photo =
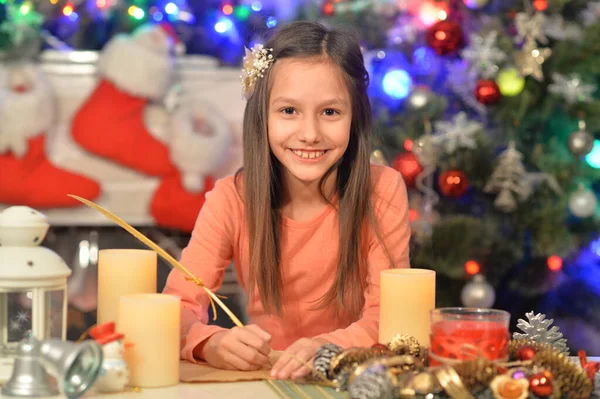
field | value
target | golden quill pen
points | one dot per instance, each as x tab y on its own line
148	242
162	253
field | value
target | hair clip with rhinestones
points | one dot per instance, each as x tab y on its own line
256	62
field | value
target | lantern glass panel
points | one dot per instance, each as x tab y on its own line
15	308
54	313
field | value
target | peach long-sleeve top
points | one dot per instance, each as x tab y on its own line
309	254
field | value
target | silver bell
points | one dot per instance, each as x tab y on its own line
29	378
75	366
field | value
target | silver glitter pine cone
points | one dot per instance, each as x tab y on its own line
537	328
373	383
323	359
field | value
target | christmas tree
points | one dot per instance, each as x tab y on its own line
487	107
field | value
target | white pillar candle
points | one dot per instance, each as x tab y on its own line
150	323
406	300
123	272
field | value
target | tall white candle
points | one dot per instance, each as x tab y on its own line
123	272
150	323
406	300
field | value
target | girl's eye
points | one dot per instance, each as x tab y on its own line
330	112
288	111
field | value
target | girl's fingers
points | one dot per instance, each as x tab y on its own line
247	353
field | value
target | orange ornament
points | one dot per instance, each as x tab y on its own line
453	183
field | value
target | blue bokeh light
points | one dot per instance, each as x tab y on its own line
157	16
271	22
593	158
223	25
256	6
397	84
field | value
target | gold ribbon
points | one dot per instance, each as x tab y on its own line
163	254
451	382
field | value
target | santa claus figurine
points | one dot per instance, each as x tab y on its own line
200	143
134	71
27	176
114	375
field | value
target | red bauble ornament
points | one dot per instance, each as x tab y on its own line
328	9
408	165
453	183
380	347
487	92
525	353
445	37
540	384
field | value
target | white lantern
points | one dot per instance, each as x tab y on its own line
33	284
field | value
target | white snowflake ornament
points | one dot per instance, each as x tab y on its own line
556	28
530	27
458	133
483	54
572	88
22	317
591	13
15	325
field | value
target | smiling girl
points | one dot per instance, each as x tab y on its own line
308	222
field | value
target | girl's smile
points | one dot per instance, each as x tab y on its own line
309	156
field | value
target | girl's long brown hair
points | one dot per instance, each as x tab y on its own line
262	171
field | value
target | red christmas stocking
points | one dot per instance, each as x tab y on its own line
134	70
26	175
33	181
175	207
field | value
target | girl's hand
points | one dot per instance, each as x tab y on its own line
289	364
244	349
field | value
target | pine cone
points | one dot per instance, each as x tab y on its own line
570	378
350	359
476	374
323	359
516	344
539	329
374	383
405	345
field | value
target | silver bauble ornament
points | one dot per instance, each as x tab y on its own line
582	203
580	142
420	99
476	4
478	293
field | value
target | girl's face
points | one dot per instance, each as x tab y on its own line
310	113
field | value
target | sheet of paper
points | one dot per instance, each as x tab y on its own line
202	372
